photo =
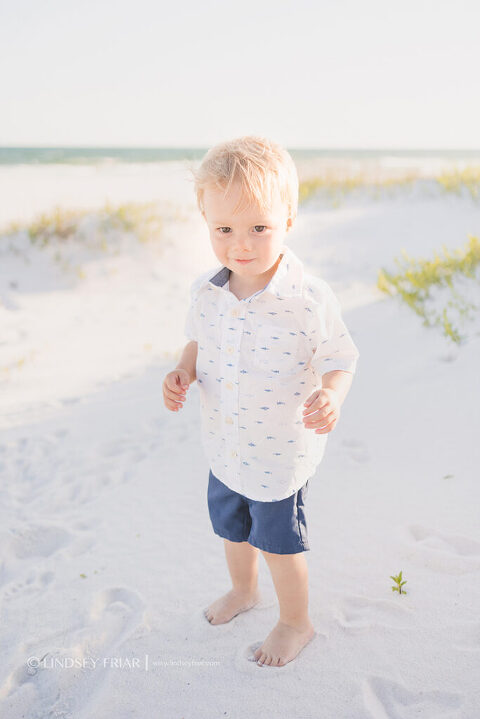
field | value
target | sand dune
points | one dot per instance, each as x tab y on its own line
107	554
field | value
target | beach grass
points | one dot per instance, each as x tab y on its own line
335	186
457	181
432	288
144	221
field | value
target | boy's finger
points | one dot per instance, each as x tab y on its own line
313	398
316	404
320	418
328	428
174	396
175	390
310	410
178	383
317	415
174	383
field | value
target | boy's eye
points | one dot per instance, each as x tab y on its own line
227	230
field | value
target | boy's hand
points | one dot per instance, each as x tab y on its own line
323	410
175	386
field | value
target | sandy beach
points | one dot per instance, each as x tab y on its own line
107	554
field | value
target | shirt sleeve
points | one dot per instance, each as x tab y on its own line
190	326
334	347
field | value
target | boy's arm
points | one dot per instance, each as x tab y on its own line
339	380
188	360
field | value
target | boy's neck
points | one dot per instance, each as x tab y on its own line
242	287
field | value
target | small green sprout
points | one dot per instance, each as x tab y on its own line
400	584
83	576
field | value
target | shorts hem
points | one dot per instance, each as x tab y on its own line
273	550
230	539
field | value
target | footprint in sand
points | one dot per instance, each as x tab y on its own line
357	613
110	453
70	400
114	617
37	541
123	606
357	450
22	577
34	583
114	448
443	552
448	357
387	699
464	636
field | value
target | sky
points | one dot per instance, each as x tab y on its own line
330	74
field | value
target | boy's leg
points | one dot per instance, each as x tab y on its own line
294	628
242	560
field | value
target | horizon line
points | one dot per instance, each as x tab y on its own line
206	147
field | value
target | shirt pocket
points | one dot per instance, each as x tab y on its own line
276	349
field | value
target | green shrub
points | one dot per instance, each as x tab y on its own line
417	279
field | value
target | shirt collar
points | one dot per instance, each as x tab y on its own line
286	282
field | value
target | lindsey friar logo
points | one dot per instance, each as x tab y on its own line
50	661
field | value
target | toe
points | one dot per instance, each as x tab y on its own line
268	660
262	658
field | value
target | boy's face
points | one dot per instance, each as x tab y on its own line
252	234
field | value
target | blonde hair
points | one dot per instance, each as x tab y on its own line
259	164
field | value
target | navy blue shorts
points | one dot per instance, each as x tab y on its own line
276	527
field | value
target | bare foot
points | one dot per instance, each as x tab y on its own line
231	604
283	644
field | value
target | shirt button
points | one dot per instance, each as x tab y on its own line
229	385
234	454
230	349
229	420
234	313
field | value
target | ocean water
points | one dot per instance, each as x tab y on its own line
94	155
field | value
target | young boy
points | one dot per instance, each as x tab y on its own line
274	362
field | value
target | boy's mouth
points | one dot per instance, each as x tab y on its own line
244	261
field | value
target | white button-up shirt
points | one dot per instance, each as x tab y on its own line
258	360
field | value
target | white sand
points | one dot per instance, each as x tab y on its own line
100	479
